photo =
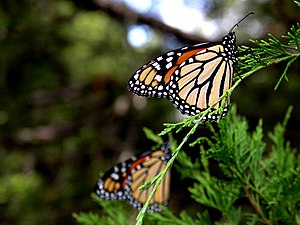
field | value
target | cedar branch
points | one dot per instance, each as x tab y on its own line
256	207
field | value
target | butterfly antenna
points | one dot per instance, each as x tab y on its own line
237	24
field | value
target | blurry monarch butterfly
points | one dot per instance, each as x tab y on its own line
122	181
192	78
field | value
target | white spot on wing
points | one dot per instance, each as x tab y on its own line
158	78
169	65
115	176
169	59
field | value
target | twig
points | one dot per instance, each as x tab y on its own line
256	207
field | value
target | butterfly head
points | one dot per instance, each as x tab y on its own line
229	43
229	39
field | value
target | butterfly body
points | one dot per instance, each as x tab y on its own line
122	181
192	78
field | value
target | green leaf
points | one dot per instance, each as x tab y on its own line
153	137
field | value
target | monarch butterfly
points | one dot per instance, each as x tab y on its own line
122	181
192	78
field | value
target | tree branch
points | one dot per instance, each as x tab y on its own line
256	207
121	11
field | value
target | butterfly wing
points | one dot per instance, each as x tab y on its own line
112	186
192	78
143	170
200	81
123	180
151	80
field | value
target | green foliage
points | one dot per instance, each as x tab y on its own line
240	155
18	189
272	52
90	49
167	217
264	177
116	215
153	137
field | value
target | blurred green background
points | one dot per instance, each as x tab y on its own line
65	112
